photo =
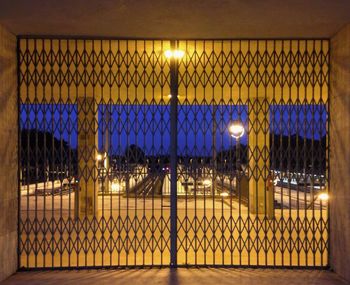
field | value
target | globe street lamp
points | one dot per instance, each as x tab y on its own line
236	130
322	196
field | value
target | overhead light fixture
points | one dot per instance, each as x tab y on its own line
169	96
168	53
177	54
236	129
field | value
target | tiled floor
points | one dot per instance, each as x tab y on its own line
182	276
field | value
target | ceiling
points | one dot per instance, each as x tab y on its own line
176	19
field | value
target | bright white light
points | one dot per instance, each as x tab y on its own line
174	53
223	194
99	157
168	53
207	182
236	129
179	54
116	187
323	196
169	96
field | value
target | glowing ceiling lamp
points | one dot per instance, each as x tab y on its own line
177	54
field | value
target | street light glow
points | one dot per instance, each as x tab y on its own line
323	196
177	54
116	187
236	129
207	182
99	157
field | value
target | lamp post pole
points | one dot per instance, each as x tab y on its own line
173	156
214	152
236	130
238	165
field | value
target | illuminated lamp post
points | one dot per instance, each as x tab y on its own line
322	196
236	130
173	55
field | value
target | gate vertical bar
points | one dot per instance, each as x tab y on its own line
173	157
19	161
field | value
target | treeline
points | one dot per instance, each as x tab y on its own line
43	156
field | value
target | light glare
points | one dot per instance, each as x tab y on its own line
179	53
323	196
169	96
116	187
236	129
207	182
168	53
174	53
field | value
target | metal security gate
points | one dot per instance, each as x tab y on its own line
173	153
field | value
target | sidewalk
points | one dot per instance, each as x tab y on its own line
182	276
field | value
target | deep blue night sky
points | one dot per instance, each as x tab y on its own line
148	126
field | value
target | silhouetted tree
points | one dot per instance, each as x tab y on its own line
134	154
41	151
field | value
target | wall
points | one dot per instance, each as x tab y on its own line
8	154
340	153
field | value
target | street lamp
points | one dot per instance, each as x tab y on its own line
236	129
207	182
322	196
